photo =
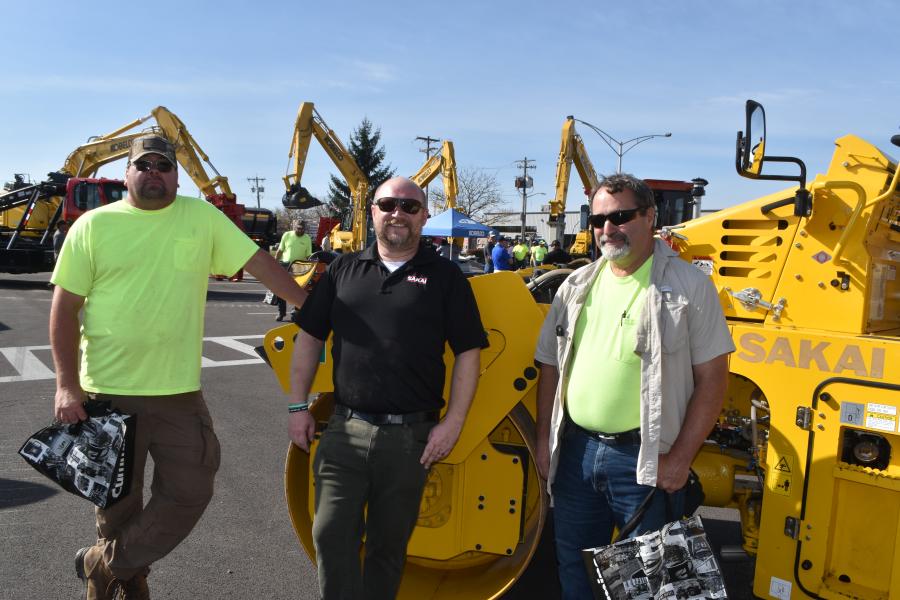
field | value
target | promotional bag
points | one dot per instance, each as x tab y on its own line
91	459
674	562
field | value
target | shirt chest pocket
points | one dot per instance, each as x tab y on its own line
186	255
674	325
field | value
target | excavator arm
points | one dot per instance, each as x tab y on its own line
571	151
310	124
87	159
445	164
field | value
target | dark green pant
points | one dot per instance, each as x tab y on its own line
358	464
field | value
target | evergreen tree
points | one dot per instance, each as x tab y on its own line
369	158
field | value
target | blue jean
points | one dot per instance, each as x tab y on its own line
594	491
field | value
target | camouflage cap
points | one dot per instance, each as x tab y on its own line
151	144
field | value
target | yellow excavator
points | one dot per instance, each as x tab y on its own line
444	164
349	236
804	447
74	189
676	201
571	151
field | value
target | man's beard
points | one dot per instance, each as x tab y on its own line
397	238
614	253
154	189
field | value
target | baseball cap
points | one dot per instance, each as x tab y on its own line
554	243
151	144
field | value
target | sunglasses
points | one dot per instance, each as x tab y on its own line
162	165
389	205
618	217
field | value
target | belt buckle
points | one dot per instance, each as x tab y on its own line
393	419
606	438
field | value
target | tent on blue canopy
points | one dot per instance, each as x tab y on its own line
452	223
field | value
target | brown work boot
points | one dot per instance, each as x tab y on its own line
136	588
99	582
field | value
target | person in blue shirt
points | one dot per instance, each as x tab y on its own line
500	256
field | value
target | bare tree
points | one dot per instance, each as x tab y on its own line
479	193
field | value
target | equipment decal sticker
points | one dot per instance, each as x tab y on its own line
781	477
779	588
852	413
881	416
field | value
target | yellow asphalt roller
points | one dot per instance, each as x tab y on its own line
484	506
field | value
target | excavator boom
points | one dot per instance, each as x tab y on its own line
445	164
310	124
571	151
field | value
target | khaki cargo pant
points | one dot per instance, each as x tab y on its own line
177	432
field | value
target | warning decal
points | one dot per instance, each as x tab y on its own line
780	479
881	416
783	465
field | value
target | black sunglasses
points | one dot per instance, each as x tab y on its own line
162	165
407	205
618	217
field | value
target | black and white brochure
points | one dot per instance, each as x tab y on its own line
674	563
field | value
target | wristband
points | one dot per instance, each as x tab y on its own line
299	407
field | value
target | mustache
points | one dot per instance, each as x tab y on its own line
615	237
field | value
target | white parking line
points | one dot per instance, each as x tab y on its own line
26	363
30	368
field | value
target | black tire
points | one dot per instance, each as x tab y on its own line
578	263
543	288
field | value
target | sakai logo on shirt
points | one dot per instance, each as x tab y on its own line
420	279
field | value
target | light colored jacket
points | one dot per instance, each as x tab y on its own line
681	325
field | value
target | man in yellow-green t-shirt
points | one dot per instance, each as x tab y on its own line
139	268
294	245
520	253
538	252
633	357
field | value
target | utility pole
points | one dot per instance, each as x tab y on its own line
427	151
258	189
524	182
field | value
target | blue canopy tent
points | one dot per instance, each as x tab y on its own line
452	223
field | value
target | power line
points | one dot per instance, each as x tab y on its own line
258	189
427	151
524	182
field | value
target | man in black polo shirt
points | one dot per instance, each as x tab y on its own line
392	308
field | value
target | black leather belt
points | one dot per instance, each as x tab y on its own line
623	438
429	416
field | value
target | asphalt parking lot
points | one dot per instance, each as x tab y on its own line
244	547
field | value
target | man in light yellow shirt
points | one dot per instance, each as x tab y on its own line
294	245
633	358
139	268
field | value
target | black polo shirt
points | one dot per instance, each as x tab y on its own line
390	329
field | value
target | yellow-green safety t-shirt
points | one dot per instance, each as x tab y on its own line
604	387
520	251
539	252
294	247
144	274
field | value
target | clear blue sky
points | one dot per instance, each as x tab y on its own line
498	78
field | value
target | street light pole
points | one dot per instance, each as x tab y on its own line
622	148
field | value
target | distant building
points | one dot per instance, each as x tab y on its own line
509	223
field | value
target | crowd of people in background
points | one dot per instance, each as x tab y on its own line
499	256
